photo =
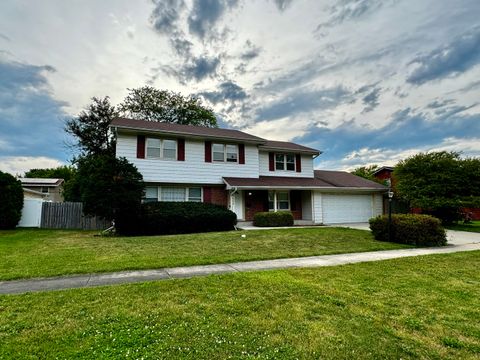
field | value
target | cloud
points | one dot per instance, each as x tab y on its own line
228	91
31	119
4	37
452	59
282	5
206	13
251	51
371	100
18	165
197	68
345	10
166	15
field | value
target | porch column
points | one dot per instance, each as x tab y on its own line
274	200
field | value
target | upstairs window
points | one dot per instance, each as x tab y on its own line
285	162
225	153
161	149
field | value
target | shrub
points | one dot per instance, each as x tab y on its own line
279	218
412	229
11	201
159	218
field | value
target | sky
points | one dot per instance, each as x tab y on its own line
364	81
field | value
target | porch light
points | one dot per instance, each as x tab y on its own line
390	193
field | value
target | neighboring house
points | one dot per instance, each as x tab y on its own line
243	172
384	173
46	189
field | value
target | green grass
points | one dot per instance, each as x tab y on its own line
34	253
423	307
473	227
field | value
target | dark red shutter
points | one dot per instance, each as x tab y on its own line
181	149
241	154
208	151
207	194
271	161
141	146
298	162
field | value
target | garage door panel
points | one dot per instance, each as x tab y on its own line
342	208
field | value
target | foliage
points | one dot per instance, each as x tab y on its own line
278	218
439	182
91	128
411	229
26	253
176	218
423	307
66	173
11	201
148	103
108	186
367	172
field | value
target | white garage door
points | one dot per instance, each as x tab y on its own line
340	208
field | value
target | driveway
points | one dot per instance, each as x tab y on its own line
454	237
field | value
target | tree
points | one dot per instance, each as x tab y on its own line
366	172
66	173
439	182
11	201
150	104
108	186
91	128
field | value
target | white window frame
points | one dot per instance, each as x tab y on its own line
187	192
285	162
276	201
162	148
225	158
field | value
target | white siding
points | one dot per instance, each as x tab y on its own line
317	207
194	170
307	205
307	167
377	204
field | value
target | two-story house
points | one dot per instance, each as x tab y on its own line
243	172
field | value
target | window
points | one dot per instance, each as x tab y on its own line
170	149
285	162
45	189
153	148
281	197
172	194
195	194
161	149
151	194
225	152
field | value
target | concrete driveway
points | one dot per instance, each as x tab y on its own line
453	237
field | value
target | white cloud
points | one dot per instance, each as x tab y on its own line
18	165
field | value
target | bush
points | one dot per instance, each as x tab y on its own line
11	201
159	218
279	218
412	229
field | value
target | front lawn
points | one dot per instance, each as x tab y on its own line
473	227
33	253
424	307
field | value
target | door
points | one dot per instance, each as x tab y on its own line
236	204
346	208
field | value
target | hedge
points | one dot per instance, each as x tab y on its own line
160	218
11	201
412	229
279	218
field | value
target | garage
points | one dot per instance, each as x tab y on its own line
348	208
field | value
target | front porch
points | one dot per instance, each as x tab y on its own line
245	203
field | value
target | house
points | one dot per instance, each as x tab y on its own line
242	172
46	189
384	173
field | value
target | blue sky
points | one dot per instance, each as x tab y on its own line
364	81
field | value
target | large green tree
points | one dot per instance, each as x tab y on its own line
439	182
148	103
108	186
11	201
366	172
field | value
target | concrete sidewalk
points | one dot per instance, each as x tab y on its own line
127	277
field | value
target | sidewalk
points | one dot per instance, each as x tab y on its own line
127	277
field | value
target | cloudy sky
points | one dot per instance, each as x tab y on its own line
364	81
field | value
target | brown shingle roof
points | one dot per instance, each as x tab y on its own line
188	130
345	179
284	145
338	180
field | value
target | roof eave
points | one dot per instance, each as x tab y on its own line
303	151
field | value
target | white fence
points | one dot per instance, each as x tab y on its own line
31	213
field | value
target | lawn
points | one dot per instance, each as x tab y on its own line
473	227
34	253
422	307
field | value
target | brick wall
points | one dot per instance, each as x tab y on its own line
219	196
256	202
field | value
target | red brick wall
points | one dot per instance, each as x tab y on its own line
384	175
254	203
216	195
